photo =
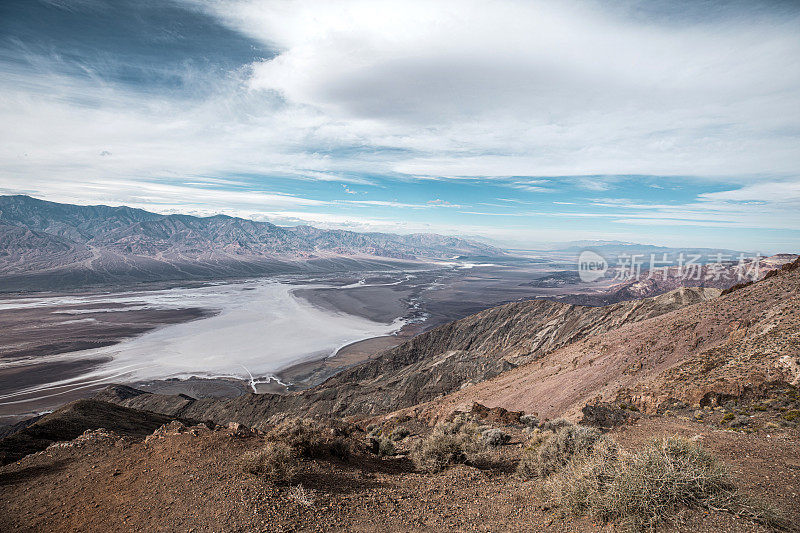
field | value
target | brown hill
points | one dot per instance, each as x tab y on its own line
700	354
716	275
71	421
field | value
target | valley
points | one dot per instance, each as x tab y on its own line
424	378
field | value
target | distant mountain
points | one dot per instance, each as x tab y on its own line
613	250
724	275
48	245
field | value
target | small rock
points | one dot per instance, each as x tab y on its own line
239	430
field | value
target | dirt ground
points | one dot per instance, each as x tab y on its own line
195	482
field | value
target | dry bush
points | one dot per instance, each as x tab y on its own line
450	443
555	425
531	421
579	486
301	496
548	452
652	483
495	437
638	490
275	461
309	438
399	433
382	446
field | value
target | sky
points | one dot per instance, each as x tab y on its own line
661	122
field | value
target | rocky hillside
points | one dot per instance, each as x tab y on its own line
701	354
434	363
42	243
71	421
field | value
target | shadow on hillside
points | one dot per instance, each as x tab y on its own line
28	473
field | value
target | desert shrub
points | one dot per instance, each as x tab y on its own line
553	425
301	496
495	437
399	433
792	416
606	415
579	486
739	421
652	483
531	421
449	443
382	446
548	452
640	489
309	438
728	417
275	461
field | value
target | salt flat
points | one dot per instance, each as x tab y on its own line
259	327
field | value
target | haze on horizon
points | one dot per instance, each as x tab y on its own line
672	122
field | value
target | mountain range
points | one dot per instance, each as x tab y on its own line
48	245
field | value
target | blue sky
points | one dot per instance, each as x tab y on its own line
672	123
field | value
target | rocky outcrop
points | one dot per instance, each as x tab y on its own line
72	421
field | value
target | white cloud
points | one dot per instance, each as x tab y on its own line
166	197
431	90
384	203
767	205
536	88
772	191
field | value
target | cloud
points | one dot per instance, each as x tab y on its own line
772	191
769	205
538	88
168	197
593	184
383	203
536	97
438	202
